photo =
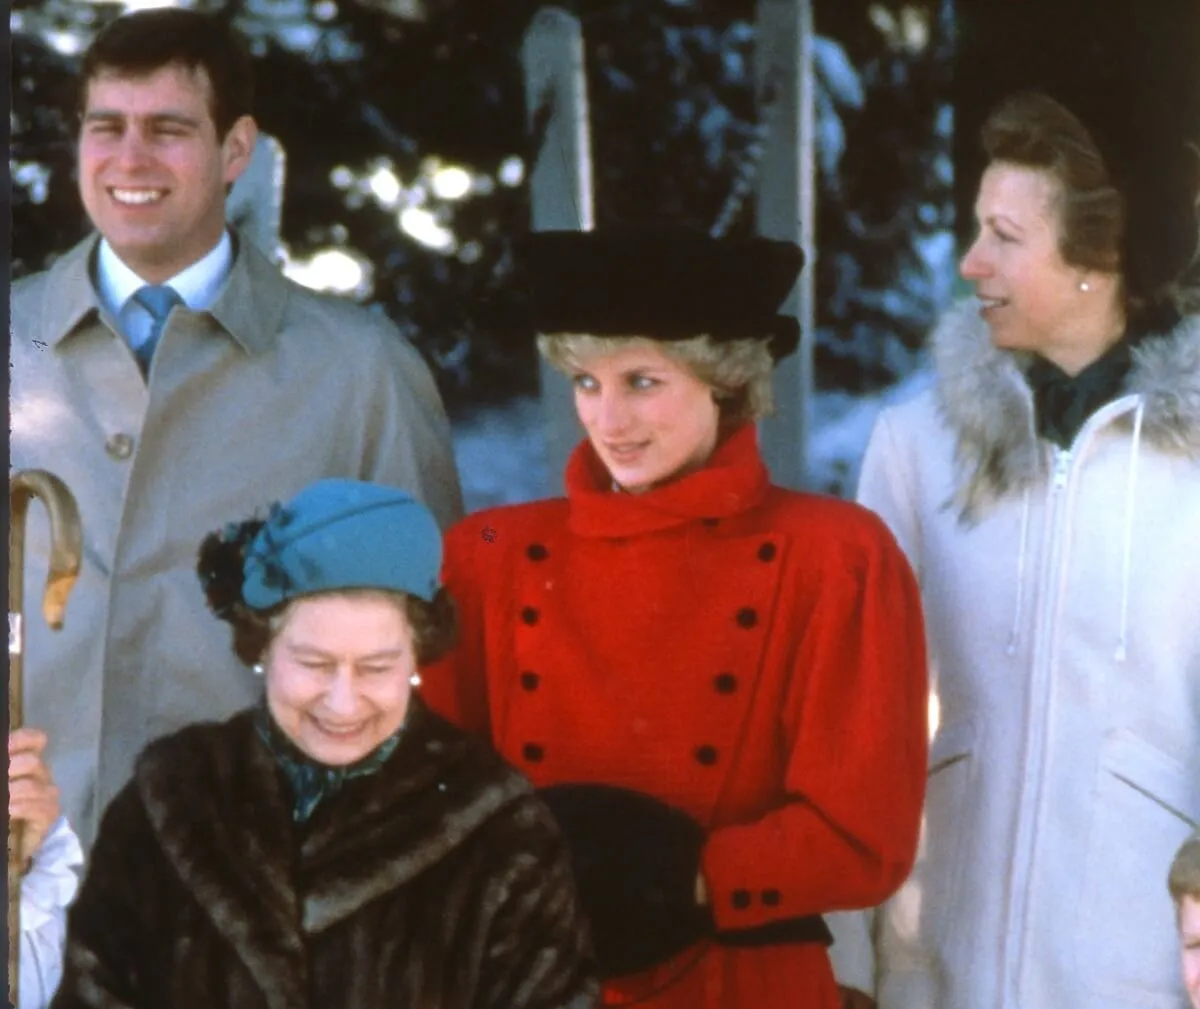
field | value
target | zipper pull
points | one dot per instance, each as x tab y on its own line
1062	463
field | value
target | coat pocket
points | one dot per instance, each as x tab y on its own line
918	917
1146	803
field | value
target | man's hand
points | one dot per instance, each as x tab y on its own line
33	800
852	998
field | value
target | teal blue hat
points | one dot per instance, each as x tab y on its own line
343	534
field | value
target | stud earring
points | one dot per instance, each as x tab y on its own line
257	669
1084	286
415	679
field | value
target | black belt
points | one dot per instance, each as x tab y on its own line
810	928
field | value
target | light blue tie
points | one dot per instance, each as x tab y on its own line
158	300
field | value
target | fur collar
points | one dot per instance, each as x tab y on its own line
217	804
983	396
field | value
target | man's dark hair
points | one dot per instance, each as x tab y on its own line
141	43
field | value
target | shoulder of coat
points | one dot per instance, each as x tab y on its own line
828	526
336	316
914	416
462	753
46	304
183	748
511	525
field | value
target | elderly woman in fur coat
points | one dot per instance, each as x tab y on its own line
338	845
1047	491
719	684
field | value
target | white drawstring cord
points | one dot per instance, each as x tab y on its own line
1127	560
1014	634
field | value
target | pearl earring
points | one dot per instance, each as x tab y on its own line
1084	286
257	669
415	679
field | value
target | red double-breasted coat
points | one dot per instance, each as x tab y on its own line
748	654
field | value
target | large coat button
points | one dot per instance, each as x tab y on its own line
740	899
706	755
726	683
533	752
771	898
530	681
536	552
747	617
530	615
119	446
766	552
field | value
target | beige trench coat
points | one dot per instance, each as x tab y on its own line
245	404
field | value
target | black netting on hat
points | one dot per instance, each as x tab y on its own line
220	566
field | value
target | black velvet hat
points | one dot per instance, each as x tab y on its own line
662	281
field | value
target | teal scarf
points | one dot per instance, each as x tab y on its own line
310	781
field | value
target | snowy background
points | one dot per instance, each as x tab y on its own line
406	153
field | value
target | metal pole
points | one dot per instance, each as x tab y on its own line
560	186
786	209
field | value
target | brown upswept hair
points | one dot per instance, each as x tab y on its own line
1035	131
737	371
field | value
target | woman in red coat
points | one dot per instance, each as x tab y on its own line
729	677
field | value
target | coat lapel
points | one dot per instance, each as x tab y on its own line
250	307
72	297
388	828
214	800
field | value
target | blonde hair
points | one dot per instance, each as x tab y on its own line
737	371
1184	878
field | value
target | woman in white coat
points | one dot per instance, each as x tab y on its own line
1046	489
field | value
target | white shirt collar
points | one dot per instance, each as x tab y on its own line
198	284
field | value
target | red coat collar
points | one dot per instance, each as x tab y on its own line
733	481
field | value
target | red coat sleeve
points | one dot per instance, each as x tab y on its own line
456	685
854	725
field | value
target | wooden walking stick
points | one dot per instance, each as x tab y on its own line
66	551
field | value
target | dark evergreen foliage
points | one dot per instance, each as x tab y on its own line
673	117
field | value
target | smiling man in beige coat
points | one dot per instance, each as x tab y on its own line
253	388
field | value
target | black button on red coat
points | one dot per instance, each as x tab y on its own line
747	617
766	552
530	681
726	683
533	752
530	615
771	898
706	755
740	899
536	552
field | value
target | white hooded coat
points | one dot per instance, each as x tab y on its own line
1062	601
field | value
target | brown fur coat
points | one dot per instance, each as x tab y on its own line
438	883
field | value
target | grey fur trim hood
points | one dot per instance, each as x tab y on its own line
982	395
